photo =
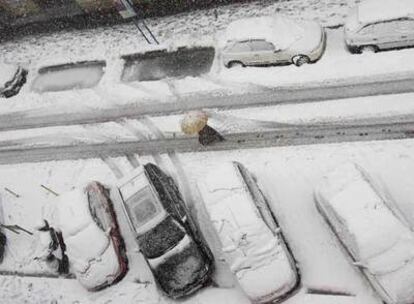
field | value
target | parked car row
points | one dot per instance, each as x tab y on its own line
360	213
168	236
372	25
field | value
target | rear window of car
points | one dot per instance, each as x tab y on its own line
142	207
240	47
161	238
261	45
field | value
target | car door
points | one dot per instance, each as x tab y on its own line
239	51
263	52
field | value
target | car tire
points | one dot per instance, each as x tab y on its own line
368	49
235	64
300	60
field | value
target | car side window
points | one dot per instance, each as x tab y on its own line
368	29
261	45
241	47
404	26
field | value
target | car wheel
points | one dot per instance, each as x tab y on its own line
368	49
235	64
300	60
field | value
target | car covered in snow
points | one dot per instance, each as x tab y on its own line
252	242
165	232
86	218
12	78
375	25
272	40
373	232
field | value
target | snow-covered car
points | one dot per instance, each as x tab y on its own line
371	229
379	25
94	245
252	242
272	40
12	78
165	232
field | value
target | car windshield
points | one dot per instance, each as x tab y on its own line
141	207
163	237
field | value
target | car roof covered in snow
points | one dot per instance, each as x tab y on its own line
278	29
372	11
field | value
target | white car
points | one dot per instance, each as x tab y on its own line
94	246
372	231
252	242
12	78
272	40
379	25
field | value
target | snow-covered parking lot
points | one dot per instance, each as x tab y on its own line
287	176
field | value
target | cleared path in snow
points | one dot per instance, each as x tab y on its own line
318	91
387	129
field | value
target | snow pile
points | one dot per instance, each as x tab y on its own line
254	254
376	238
278	29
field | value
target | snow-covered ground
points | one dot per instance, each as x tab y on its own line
287	176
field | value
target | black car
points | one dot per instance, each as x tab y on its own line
165	231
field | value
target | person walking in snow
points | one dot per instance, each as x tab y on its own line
196	122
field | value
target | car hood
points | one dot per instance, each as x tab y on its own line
101	271
310	39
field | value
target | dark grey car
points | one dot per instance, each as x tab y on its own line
165	232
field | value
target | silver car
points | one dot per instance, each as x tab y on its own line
380	25
272	40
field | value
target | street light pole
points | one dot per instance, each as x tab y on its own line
127	11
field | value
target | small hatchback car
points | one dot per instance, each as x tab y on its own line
12	78
166	235
371	229
379	25
272	40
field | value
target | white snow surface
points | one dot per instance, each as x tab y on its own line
370	229
256	257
